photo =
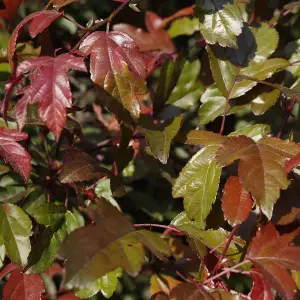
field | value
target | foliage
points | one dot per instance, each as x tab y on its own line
152	153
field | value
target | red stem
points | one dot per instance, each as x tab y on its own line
8	269
289	109
229	239
170	227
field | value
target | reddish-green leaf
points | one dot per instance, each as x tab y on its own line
49	88
261	166
79	166
260	288
236	202
117	65
13	153
272	254
10	8
23	287
157	38
43	20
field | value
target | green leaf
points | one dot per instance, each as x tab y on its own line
48	242
183	26
15	228
169	75
264	101
118	245
186	92
221	21
159	137
2	255
79	166
12	194
256	132
198	183
210	238
106	284
213	106
103	190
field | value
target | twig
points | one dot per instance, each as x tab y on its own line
289	109
225	272
228	241
74	22
224	117
170	227
90	194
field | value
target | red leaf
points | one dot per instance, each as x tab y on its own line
23	287
292	163
236	202
271	253
68	296
50	88
157	38
260	288
13	153
11	7
117	65
39	22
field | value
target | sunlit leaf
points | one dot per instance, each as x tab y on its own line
183	26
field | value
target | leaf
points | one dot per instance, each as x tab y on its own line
205	138
12	194
15	228
261	166
186	93
255	132
23	287
292	5
45	249
210	238
260	288
213	106
106	284
45	19
236	202
13	153
264	101
183	26
117	65
220	21
189	291
10	8
49	88
58	4
159	137
79	166
169	76
271	254
162	283
157	38
198	183
85	265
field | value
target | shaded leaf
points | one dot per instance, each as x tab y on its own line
292	5
86	264
162	283
272	254
48	242
15	230
157	38
198	183
236	202
264	101
261	166
220	21
186	92
10	8
13	153
23	287
117	65
106	284
204	138
255	132
79	166
58	4
159	137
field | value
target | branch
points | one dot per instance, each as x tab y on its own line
169	227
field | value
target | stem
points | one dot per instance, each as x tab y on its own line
170	227
74	22
226	271
229	239
289	109
90	194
